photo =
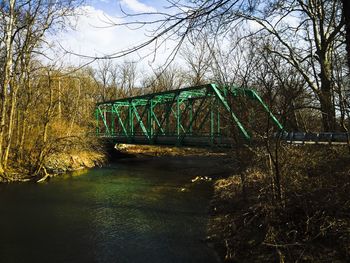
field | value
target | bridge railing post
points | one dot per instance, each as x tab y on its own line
191	116
131	122
178	122
112	120
150	120
97	122
212	120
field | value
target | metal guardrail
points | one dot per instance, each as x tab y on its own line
314	138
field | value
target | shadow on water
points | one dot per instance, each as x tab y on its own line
131	211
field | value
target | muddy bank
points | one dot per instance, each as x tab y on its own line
57	164
153	151
68	162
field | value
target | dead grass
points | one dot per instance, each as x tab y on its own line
311	224
152	150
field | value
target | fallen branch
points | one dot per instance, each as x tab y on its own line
47	175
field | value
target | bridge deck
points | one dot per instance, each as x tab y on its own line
199	141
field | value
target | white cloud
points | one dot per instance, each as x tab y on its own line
93	37
137	6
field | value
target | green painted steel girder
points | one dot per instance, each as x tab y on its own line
176	117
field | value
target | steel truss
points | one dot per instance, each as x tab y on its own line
194	116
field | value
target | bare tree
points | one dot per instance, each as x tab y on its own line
127	77
9	29
346	15
198	57
104	77
25	24
164	79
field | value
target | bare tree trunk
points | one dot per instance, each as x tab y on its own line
274	166
11	116
75	109
346	14
10	125
59	100
47	117
327	107
23	135
18	128
328	111
7	76
28	89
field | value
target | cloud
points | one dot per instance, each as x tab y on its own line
137	6
92	32
93	36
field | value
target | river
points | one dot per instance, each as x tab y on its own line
135	210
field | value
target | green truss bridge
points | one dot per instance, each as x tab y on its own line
205	115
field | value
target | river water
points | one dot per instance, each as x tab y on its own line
136	210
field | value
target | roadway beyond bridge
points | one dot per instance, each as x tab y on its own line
205	115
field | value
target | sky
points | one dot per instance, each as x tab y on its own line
92	34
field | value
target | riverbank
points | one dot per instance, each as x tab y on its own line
151	150
311	221
56	164
73	161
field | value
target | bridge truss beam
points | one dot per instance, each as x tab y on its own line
196	116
